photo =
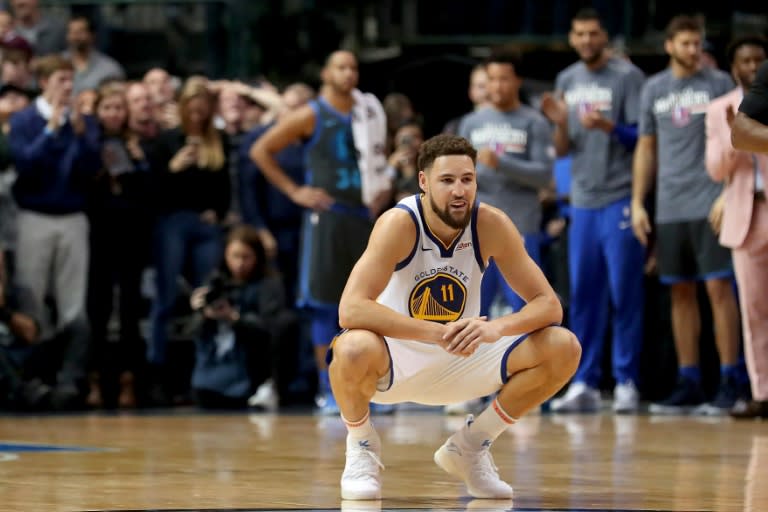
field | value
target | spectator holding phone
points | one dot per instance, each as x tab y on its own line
192	187
120	220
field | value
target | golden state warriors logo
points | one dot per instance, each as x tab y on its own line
440	298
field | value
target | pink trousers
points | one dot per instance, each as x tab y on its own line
750	262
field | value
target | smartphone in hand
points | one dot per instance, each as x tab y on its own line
117	161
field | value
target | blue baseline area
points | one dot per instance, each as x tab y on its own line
30	447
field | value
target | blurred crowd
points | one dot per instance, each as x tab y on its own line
134	213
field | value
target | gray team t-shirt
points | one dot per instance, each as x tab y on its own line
601	172
673	110
523	140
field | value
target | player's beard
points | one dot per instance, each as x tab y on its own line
593	58
691	64
445	215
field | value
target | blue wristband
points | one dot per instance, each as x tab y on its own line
626	134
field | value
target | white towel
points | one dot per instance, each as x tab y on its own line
369	129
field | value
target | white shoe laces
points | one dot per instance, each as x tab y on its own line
362	463
483	465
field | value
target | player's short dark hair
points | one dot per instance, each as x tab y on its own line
505	55
588	14
751	40
84	19
443	145
683	23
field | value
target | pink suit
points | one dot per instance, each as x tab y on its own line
745	231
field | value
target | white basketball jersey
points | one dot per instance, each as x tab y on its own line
435	282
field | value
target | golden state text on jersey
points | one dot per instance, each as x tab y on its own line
437	282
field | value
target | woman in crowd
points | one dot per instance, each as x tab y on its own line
192	188
120	219
245	328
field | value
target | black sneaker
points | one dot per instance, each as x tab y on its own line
750	409
686	396
724	400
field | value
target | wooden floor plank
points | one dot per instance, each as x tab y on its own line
221	462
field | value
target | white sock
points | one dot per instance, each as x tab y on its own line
487	426
361	431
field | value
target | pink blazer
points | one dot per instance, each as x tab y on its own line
734	167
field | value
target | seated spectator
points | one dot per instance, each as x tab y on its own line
244	331
19	334
92	68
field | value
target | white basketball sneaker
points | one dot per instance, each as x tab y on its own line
361	479
265	397
578	398
475	467
626	398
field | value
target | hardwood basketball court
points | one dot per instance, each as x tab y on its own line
193	461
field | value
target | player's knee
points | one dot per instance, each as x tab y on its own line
565	351
356	349
720	291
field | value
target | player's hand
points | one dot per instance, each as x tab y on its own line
594	120
184	158
312	197
716	214
641	225
197	298
554	107
465	335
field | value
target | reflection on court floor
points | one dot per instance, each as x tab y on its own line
201	462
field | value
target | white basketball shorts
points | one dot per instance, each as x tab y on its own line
427	374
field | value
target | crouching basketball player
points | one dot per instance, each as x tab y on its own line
410	309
